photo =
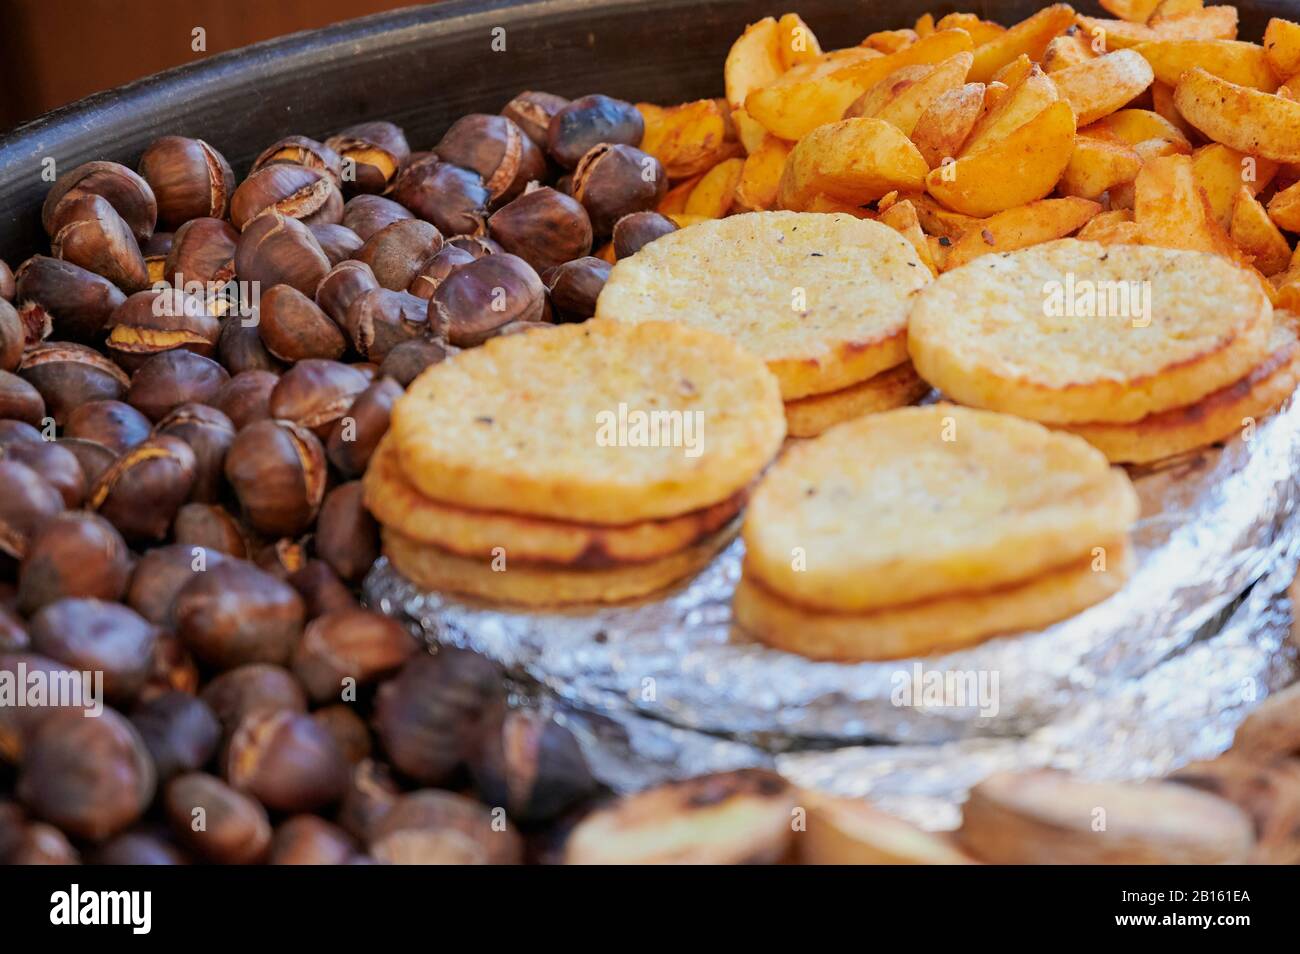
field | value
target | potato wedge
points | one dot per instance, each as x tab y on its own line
1221	170
1098	165
761	175
809	95
902	218
981	31
1133	126
937	220
1115	227
946	124
674	199
1021	227
1100	87
908	101
1231	60
1171	9
1212	23
1290	89
1024	166
753	61
1029	37
1284	208
796	41
1135	11
1014	73
847	831
1162	104
1282	46
748	130
716	192
688	139
1246	119
924	25
1019	105
891	41
1257	235
1172	211
824	203
879	96
853	161
1066	50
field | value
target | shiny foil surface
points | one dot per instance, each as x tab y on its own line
1155	676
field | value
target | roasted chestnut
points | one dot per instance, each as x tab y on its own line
246	397
452	198
434	827
407	360
210	526
276	249
370	153
180	731
190	178
321	589
19	401
588	122
497	149
155	253
114	424
294	328
130	196
278	471
159	575
286	760
357	433
73	554
68	375
380	319
93	635
173	378
299	192
478	299
530	764
54	295
637	230
575	286
27	501
533	111
310	840
91	777
234	613
301	151
612	181
138	848
6	281
240	348
396	252
436	268
543	227
347	537
343	284
315	393
91	234
58	465
255	687
141	492
338	242
215	821
202	258
367	214
209	433
344	650
152	322
350	732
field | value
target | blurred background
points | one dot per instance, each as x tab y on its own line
53	52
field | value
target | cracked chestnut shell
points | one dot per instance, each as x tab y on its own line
287	761
300	192
276	249
301	151
203	252
452	198
531	765
215	821
93	635
351	644
234	613
341	286
155	252
209	434
68	375
190	178
151	322
294	328
73	554
380	319
370	155
315	393
357	433
477	300
90	233
612	181
141	492
91	777
367	214
173	378
589	121
396	252
52	293
436	268
497	149
532	111
277	471
252	687
543	227
130	196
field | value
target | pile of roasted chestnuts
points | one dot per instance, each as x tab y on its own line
191	384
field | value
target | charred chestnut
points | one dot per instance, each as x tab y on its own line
530	764
452	198
349	648
380	319
370	154
278	471
543	227
190	178
612	181
589	121
202	254
478	299
234	614
130	196
141	492
497	149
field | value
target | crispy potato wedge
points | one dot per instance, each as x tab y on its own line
1019	105
1133	126
981	31
761	175
688	139
1098	165
937	220
924	25
748	130
1115	227
674	199
1171	9
1135	11
1066	50
753	61
1284	208
1020	168
1282	46
716	192
1290	89
946	124
1246	119
1212	23
824	203
796	41
879	96
853	161
1014	73
891	41
810	94
1021	227
1100	87
1257	235
1221	170
1162	104
907	101
1029	37
901	217
1172	210
1232	60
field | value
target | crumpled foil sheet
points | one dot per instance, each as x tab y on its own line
1156	676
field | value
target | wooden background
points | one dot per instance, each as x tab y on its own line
53	52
